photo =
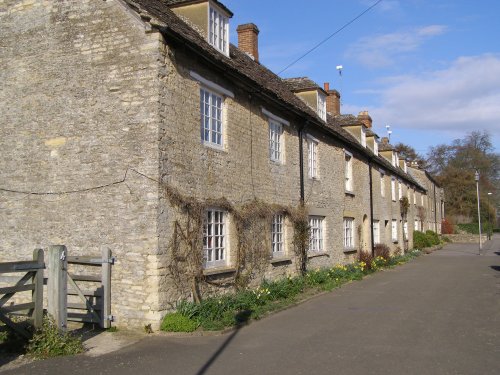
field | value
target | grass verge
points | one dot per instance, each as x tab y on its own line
229	310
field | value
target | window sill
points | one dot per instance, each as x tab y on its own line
218	271
317	254
278	260
213	146
276	162
350	250
349	192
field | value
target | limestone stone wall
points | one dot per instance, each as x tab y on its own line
78	133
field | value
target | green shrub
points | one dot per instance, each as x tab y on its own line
445	239
473	228
176	322
496	230
421	240
50	342
433	237
216	313
317	277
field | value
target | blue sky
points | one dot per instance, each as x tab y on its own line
429	69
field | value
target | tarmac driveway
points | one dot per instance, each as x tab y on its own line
439	314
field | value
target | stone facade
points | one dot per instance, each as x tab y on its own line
79	119
100	123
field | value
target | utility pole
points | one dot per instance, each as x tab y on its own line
489	218
476	177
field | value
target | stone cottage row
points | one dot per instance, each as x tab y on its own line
136	125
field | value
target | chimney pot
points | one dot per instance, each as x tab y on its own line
332	100
385	140
365	118
248	39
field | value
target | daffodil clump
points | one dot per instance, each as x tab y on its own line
216	313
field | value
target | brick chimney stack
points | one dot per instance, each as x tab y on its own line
248	39
365	118
385	140
332	100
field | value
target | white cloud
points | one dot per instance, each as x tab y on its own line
384	49
461	98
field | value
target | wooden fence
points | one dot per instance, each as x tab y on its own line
33	273
94	303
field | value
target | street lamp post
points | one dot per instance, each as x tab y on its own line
489	217
476	177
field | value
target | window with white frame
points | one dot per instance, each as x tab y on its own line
316	233
394	158
405	230
321	105
277	236
218	30
393	189
348	171
376	232
400	190
275	141
422	200
417	226
382	184
363	136
348	232
214	238
394	230
211	117
414	197
313	158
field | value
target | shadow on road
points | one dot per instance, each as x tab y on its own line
241	319
496	268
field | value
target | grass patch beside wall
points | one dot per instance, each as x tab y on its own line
217	313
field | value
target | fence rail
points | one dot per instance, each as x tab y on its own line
94	302
33	272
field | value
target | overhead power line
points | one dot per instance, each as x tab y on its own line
331	35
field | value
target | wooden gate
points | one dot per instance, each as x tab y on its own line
34	274
83	284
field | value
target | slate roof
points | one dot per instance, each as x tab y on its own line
173	3
371	133
385	146
301	84
258	78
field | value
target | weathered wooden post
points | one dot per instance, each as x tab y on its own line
57	285
106	287
37	294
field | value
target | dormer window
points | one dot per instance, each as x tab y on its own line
321	106
218	30
375	146
395	159
363	136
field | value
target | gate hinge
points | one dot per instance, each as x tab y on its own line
112	260
111	318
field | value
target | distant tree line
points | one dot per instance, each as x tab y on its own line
454	166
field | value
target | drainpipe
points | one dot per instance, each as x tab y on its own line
371	208
301	162
435	210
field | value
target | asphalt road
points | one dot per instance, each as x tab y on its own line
439	314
